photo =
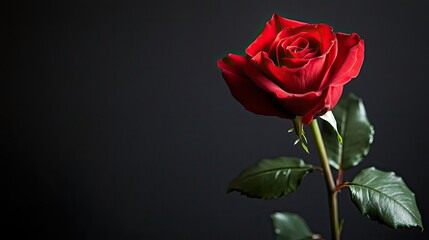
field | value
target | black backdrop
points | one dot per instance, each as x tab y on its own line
116	122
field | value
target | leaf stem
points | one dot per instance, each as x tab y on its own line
341	186
340	176
317	168
329	179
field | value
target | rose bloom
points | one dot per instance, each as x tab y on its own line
293	69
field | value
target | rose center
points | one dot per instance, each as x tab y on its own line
299	49
295	51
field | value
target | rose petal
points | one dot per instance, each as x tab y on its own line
246	92
310	54
300	42
325	35
244	66
252	97
331	55
233	63
283	40
331	100
260	95
331	97
293	80
301	104
298	48
348	61
293	63
269	33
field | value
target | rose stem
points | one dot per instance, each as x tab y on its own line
332	194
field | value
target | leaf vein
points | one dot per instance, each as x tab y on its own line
387	196
297	169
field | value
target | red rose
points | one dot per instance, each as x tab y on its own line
293	69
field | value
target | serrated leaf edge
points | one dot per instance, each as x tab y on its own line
418	220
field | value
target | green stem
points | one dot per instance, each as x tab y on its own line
330	183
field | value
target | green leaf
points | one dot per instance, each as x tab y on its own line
356	131
271	178
330	118
290	226
384	197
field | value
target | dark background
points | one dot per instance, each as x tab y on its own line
117	124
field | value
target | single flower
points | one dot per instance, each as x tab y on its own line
293	69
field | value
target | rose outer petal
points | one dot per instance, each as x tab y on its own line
293	80
297	103
246	92
348	62
331	97
301	104
269	33
243	66
259	94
